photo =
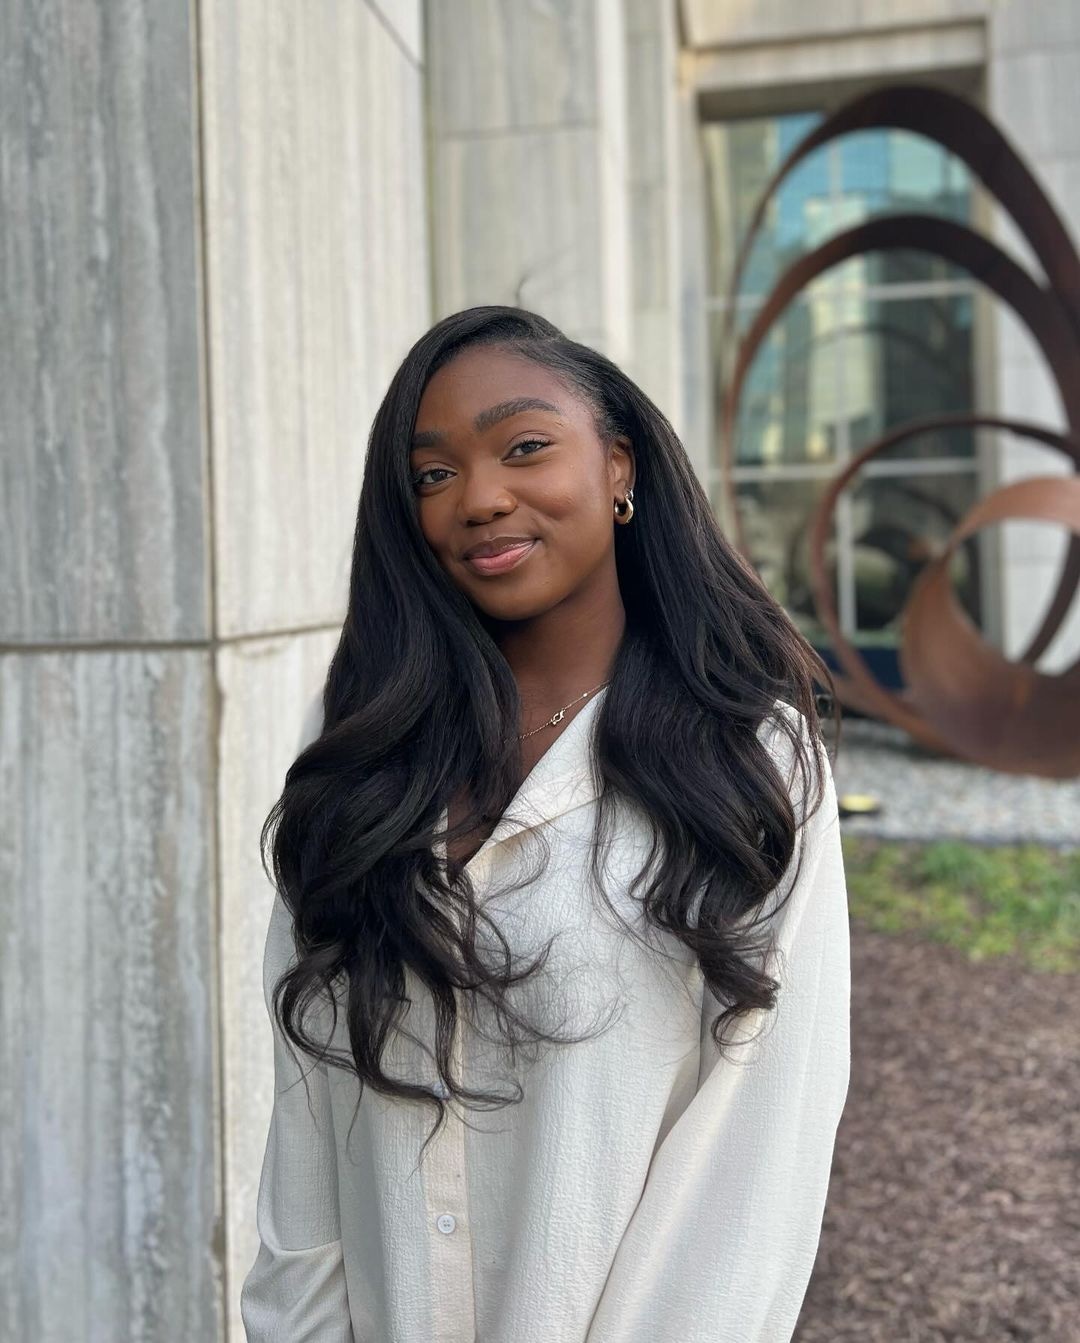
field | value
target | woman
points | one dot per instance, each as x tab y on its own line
559	871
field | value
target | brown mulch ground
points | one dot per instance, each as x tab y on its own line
954	1207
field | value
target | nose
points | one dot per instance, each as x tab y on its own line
484	494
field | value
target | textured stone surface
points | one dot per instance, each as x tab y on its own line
266	688
497	65
317	281
101	459
405	21
107	1167
506	237
693	420
317	257
132	1027
652	168
707	23
1033	96
762	77
529	162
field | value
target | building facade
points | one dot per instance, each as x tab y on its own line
223	227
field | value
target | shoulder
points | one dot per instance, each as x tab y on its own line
781	728
780	714
798	753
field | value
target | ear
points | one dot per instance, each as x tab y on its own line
621	463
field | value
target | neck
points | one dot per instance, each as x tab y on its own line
555	657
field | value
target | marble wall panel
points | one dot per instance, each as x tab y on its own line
527	125
1030	586
520	222
762	78
693	419
108	1191
615	260
498	65
405	20
101	456
653	187
1032	95
613	131
1050	26
318	271
709	24
266	689
1038	92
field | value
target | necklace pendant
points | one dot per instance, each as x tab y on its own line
557	718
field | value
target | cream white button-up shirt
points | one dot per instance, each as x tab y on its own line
643	1190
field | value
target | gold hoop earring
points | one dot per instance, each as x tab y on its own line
626	512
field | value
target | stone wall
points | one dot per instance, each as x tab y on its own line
215	254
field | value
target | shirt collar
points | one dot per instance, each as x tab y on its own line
561	779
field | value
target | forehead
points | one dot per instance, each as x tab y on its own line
481	377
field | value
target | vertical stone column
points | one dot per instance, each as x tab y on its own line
527	126
695	380
214	255
1032	94
108	1193
655	184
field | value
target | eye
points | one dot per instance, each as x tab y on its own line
418	478
531	443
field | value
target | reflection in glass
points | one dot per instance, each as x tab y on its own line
864	175
898	172
789	405
898	525
740	158
876	342
776	517
915	358
851	367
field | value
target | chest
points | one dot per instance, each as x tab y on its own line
466	846
539	897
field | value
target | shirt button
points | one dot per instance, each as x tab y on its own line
446	1222
440	1089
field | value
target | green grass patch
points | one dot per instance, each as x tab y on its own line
1018	900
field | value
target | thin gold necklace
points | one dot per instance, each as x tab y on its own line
558	717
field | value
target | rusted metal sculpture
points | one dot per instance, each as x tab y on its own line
961	696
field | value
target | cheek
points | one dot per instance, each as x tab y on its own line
432	525
578	498
580	528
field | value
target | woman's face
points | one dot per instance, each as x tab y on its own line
504	449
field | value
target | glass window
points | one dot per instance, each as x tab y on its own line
741	157
776	517
913	359
790	402
898	525
896	172
862	176
879	341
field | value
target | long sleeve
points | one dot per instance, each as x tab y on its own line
295	1291
723	1241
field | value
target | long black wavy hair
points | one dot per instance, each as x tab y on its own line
419	704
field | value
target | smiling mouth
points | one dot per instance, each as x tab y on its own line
504	560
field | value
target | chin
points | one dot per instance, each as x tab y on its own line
512	606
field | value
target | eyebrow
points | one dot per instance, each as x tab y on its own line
427	438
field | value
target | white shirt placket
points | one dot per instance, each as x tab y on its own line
446	1200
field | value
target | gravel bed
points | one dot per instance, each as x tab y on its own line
925	796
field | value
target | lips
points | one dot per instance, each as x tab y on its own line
496	547
508	557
